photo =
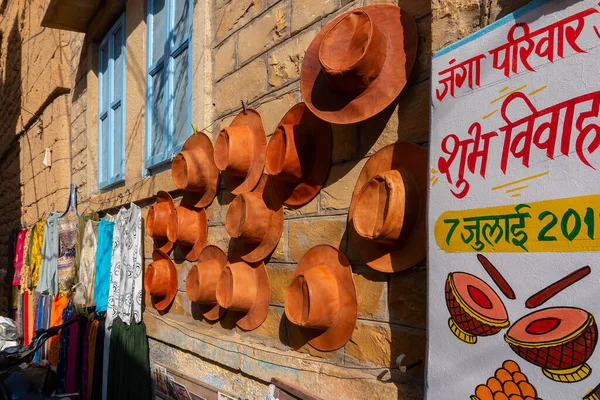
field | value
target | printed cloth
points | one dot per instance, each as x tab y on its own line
25	267
103	260
67	239
64	349
48	283
35	258
84	293
18	261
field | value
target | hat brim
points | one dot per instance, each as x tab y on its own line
161	303
252	253
403	255
325	102
202	142
212	252
238	185
164	244
343	328
315	159
257	315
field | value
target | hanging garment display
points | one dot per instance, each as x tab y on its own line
321	299
194	169
245	288
386	222
18	259
201	282
39	232
359	63
188	227
103	262
158	220
48	282
255	219
240	152
160	280
84	291
299	155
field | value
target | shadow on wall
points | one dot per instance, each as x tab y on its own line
10	165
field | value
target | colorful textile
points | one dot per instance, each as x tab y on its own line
25	267
84	293
18	260
67	240
103	259
98	387
87	385
64	349
48	283
59	304
35	258
72	371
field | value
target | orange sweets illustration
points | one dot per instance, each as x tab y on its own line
508	383
475	308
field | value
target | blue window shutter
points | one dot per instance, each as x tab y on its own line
111	107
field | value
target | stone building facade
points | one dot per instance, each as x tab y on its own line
241	50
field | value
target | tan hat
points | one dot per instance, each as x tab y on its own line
256	220
158	220
240	152
245	287
322	298
160	280
188	228
386	222
201	282
359	63
299	155
194	169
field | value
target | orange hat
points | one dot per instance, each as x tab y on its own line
160	280
359	63
158	220
188	228
201	282
386	222
299	155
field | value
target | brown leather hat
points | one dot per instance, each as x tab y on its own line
322	298
194	169
359	63
299	155
188	228
245	287
201	282
386	222
256	220
158	220
240	152
160	280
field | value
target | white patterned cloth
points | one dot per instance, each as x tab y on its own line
125	292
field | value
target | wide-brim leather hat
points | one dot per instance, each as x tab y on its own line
158	221
160	280
194	169
386	221
202	279
321	299
188	228
255	221
244	287
359	63
299	155
240	152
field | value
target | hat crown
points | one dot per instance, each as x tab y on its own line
234	150
157	278
157	220
353	53
283	157
201	282
184	226
189	172
386	206
248	218
237	287
313	299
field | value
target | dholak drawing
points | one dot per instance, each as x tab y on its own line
475	308
559	340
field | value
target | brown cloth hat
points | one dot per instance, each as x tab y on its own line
359	63
322	298
188	228
386	222
194	169
256	220
299	155
158	220
240	152
201	282
160	280
245	287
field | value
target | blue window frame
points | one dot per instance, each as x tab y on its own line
168	81
111	107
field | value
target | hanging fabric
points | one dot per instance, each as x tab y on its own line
67	240
18	260
25	267
103	260
47	282
84	292
36	248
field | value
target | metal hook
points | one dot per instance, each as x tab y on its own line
244	108
405	368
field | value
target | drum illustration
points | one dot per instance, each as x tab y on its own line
475	308
559	340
